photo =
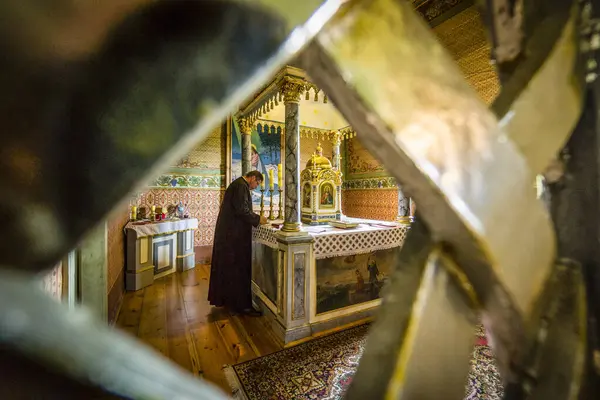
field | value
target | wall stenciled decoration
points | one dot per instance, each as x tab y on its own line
202	168
385	182
360	163
370	204
189	181
202	204
465	39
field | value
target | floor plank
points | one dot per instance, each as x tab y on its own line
131	311
212	352
174	317
177	339
153	321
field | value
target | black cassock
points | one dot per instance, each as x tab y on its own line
231	269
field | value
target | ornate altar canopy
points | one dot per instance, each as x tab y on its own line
309	276
321	190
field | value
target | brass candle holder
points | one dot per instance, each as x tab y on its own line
279	212
262	202
271	213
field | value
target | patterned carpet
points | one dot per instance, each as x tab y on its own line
323	369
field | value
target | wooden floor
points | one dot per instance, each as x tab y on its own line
174	317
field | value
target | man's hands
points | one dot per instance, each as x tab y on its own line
263	220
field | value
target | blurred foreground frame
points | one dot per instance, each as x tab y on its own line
123	88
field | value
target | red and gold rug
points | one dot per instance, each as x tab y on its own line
323	369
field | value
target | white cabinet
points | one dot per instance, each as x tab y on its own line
157	249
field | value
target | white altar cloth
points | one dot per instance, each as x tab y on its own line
162	227
369	235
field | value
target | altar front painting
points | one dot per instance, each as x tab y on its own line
264	269
350	280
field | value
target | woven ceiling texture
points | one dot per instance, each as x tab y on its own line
464	36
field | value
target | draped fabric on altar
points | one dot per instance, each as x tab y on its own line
231	269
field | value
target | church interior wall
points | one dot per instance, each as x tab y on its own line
368	189
52	282
115	248
198	180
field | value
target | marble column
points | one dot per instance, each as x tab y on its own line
337	164
246	134
291	91
404	214
336	151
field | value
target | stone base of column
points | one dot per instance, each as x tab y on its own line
287	236
405	220
291	227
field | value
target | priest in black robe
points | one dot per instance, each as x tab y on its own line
231	268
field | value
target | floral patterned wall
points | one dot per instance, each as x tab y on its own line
202	168
198	181
371	204
202	204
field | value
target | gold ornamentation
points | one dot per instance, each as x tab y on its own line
317	161
279	212
290	227
271	213
262	202
320	182
292	88
245	126
347	132
337	138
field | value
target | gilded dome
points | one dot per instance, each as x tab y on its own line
317	161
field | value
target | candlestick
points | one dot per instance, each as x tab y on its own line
262	185
279	176
271	213
262	200
271	181
280	211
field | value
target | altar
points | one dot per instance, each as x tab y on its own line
324	279
314	268
158	248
